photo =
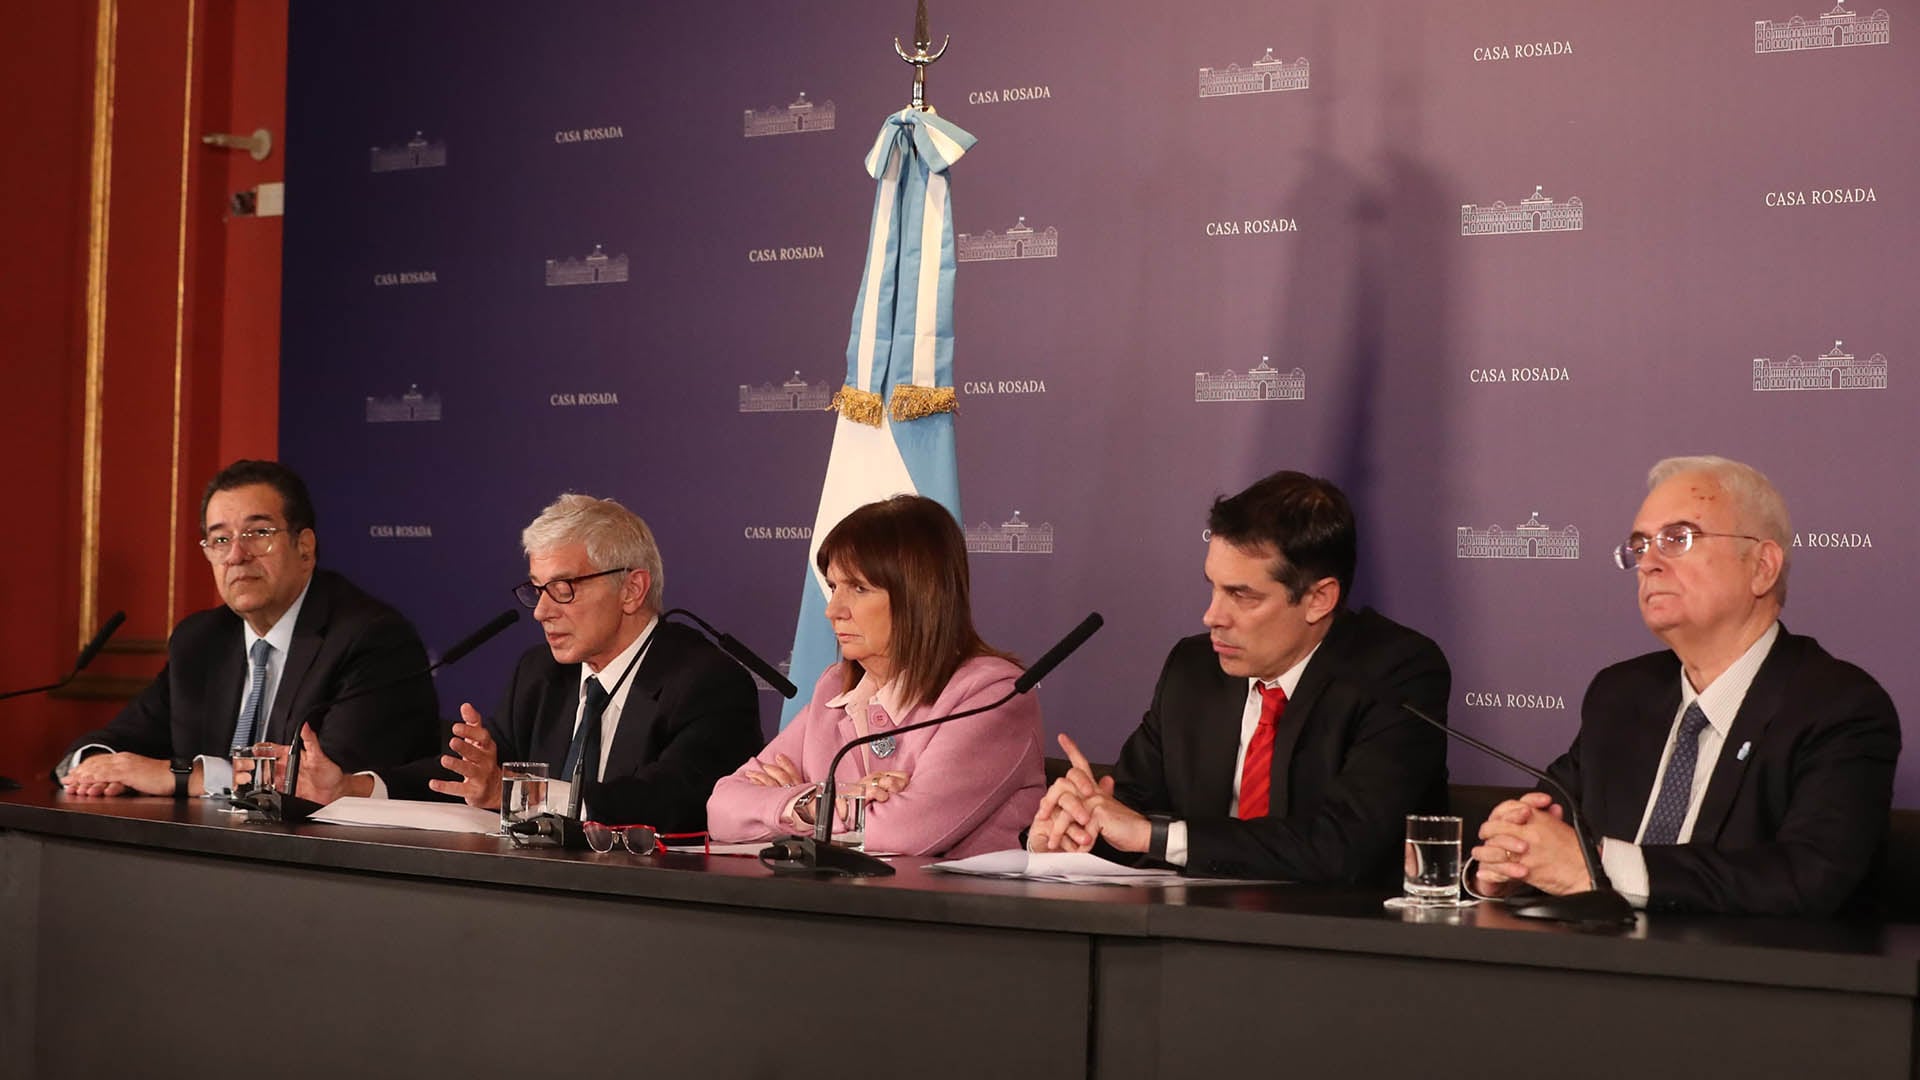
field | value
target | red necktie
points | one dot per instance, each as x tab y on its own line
1256	776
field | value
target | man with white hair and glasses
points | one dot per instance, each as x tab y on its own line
657	712
1743	769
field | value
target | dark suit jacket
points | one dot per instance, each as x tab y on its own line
1349	765
343	641
1794	828
691	717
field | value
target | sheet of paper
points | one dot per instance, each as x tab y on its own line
1078	868
411	814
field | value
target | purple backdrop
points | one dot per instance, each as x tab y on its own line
1482	265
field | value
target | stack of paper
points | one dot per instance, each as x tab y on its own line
410	814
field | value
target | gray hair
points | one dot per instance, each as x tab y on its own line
614	536
1762	510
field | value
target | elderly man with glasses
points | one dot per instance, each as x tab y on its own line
289	640
1741	770
654	712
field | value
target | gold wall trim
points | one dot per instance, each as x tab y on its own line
106	37
179	322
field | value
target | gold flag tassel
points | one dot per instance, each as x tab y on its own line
911	402
857	405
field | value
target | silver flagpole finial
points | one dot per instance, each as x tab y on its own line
920	57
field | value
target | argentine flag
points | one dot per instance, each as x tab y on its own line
894	433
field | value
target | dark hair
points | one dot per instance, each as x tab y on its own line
294	500
910	546
1304	518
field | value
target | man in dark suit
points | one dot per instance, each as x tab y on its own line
289	640
1274	746
1741	770
654	713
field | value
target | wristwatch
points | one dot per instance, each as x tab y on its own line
1157	842
182	772
804	805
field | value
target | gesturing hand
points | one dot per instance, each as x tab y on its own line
476	758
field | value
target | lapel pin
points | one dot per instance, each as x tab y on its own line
1744	747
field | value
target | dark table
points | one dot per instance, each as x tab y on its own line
154	938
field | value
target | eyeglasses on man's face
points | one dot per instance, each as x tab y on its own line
255	542
1672	541
561	590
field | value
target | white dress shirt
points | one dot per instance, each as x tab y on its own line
1249	723
1623	862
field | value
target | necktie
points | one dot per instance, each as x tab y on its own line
585	751
1676	787
256	689
1256	776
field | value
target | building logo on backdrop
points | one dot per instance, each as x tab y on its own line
597	397
410	407
1835	369
1007	95
1266	75
998	387
406	277
1019	242
1262	382
777	532
400	532
1507	699
1536	213
1011	537
1837	29
1532	540
416	153
598	268
786	254
794	395
592	134
796	119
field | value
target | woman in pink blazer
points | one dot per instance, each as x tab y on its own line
896	572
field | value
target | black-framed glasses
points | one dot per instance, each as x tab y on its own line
562	589
255	542
637	839
1673	541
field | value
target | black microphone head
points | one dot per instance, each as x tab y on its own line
99	640
480	637
1045	665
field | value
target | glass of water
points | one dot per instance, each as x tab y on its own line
523	791
257	759
850	827
1431	875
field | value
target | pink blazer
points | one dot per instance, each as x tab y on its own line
972	785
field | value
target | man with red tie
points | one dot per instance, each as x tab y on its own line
1274	746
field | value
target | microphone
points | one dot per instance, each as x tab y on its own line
91	650
818	854
1599	906
742	655
87	653
285	805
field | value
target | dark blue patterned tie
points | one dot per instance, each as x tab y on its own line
256	687
1676	787
588	735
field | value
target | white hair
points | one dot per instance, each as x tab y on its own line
614	536
1762	511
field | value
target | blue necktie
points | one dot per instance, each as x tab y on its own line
587	738
256	687
1676	787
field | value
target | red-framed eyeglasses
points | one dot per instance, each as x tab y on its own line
638	839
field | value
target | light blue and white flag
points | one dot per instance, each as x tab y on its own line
894	433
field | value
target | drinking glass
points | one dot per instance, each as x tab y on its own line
1431	876
523	791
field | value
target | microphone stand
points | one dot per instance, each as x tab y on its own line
1598	906
87	652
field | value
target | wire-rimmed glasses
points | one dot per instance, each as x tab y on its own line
255	542
637	839
1672	541
561	590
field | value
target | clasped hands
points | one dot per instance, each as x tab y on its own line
1078	809
1526	841
781	772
